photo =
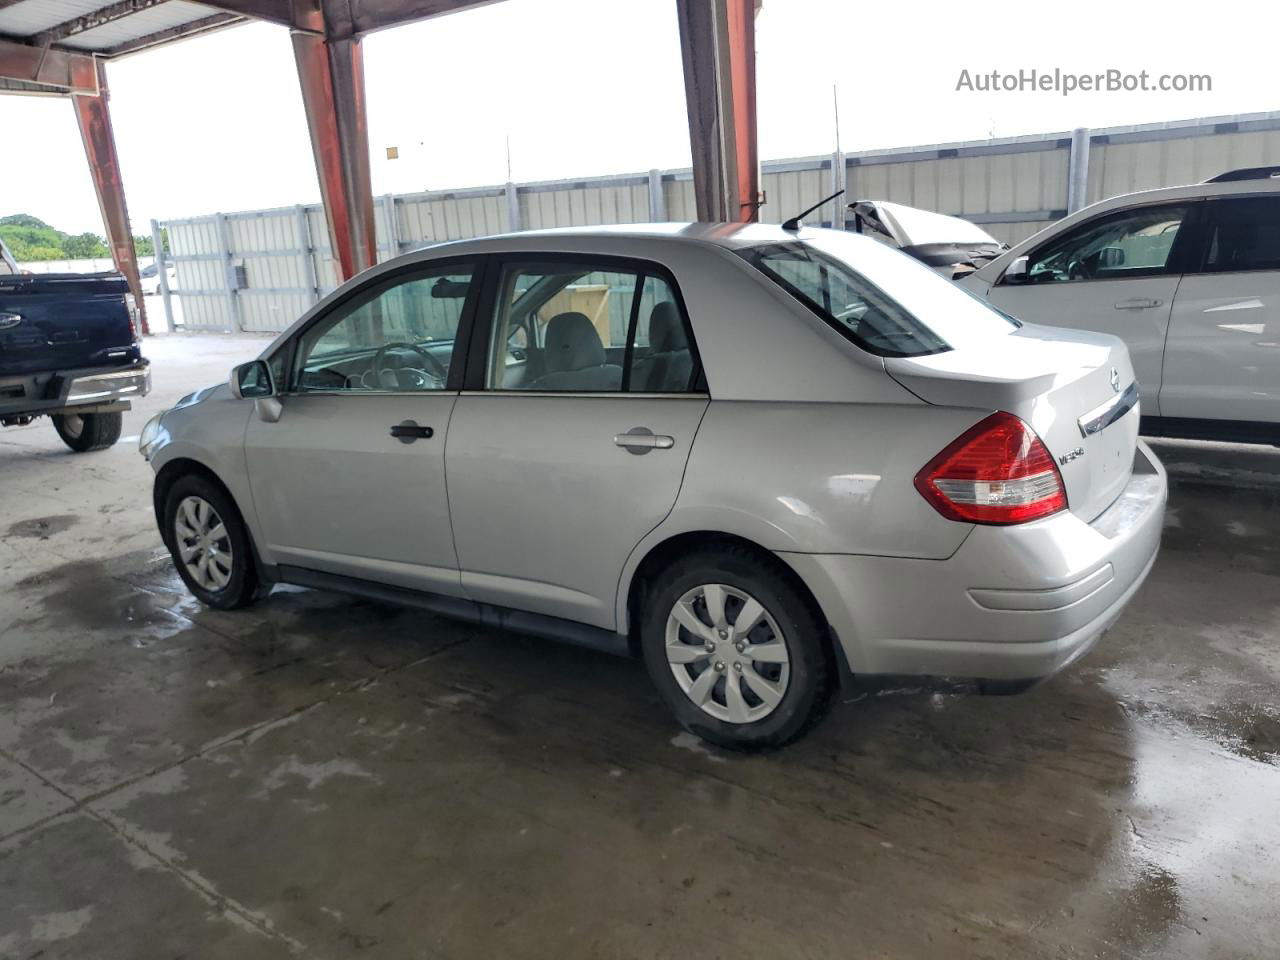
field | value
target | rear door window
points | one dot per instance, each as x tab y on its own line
1243	233
580	327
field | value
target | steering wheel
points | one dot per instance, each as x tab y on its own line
433	367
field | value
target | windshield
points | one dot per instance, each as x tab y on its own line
890	305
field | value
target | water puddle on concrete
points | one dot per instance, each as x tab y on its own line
41	528
80	599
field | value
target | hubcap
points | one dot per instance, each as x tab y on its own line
73	425
203	543
727	653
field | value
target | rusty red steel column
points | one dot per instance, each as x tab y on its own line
741	28
717	47
331	73
94	117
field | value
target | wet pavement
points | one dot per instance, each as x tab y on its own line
325	777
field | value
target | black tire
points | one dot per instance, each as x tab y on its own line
242	587
83	432
810	685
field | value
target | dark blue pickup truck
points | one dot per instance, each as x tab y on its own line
68	350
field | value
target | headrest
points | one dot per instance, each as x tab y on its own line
572	343
666	331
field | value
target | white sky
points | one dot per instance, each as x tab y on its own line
584	87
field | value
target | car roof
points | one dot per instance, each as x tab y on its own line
1221	188
1191	191
731	236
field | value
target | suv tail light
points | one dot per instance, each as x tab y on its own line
996	472
131	304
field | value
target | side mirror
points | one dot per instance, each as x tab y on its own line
1016	271
252	381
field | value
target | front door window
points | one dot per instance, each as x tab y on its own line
395	337
1135	243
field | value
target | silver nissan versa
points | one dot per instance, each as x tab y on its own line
769	461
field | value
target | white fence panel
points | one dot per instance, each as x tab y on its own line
260	270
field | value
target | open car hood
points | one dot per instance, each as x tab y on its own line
936	239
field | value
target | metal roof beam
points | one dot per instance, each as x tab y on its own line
69	72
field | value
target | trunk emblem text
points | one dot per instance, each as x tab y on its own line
1070	455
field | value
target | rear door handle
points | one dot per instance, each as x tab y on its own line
407	431
1137	303
640	440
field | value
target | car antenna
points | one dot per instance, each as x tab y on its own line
793	224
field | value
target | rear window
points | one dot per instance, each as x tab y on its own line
891	305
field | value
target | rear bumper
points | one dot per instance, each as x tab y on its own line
74	390
1011	604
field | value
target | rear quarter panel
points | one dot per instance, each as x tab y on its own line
824	478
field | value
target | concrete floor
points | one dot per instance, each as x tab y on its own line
324	777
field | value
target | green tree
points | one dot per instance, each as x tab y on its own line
24	220
84	246
30	238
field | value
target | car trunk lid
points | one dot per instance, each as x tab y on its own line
1075	389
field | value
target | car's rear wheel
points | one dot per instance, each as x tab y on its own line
736	649
209	543
83	432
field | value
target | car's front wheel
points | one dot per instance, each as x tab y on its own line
83	432
736	650
209	543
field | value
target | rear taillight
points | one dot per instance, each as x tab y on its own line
997	472
131	304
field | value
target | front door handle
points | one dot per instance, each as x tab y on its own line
640	440
1138	303
407	431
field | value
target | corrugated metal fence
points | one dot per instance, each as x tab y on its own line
258	271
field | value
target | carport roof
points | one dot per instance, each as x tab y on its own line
43	43
107	29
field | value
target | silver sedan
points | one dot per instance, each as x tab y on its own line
772	463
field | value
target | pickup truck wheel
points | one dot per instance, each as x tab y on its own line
209	544
83	432
736	651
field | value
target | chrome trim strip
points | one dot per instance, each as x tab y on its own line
1099	418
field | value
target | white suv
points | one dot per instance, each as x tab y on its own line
1188	277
